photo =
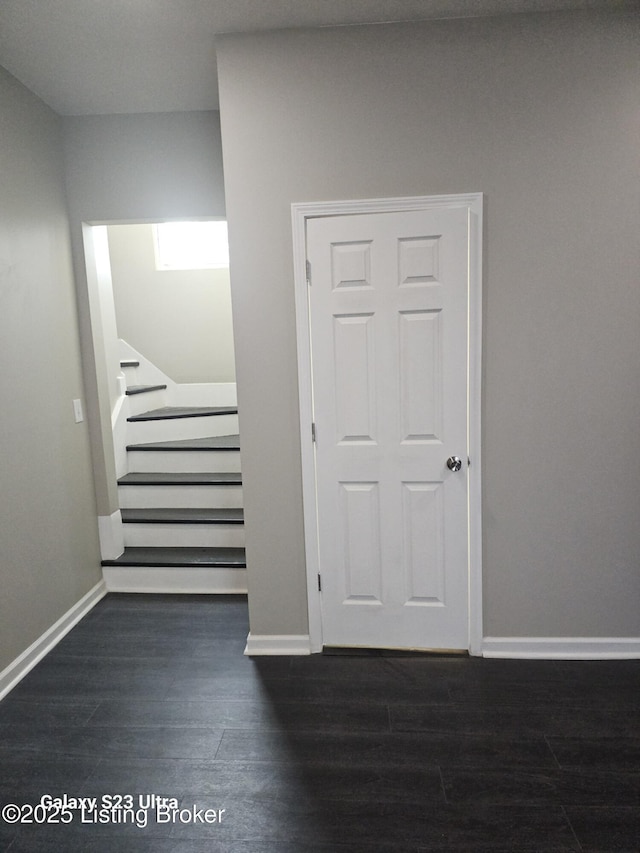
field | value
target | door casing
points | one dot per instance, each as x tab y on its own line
301	212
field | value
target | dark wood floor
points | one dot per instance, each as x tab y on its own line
152	695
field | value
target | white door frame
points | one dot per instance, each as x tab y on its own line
473	203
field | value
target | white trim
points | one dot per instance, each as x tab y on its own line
305	396
183	580
16	671
386	205
111	535
119	429
277	644
473	202
562	648
474	381
121	380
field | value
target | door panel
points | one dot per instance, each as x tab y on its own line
360	535
423	543
388	317
420	342
354	377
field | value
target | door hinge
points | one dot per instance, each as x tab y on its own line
313	432
308	272
319	583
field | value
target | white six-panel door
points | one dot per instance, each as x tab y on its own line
388	307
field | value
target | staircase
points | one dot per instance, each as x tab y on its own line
180	494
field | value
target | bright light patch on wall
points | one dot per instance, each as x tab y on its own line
191	245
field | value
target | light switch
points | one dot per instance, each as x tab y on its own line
77	411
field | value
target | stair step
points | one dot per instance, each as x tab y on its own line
181	557
164	515
169	478
129	362
174	412
143	389
220	442
171	429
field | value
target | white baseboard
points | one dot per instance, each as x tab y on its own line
277	644
161	579
111	535
16	671
562	648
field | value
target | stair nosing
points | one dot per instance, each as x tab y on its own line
171	413
160	557
186	445
134	390
237	517
181	478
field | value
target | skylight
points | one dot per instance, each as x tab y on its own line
191	245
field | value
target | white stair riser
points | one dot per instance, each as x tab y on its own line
132	497
146	402
210	394
213	461
183	580
171	429
187	535
132	376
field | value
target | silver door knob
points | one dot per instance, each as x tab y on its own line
454	463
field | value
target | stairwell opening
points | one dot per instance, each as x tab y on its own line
165	377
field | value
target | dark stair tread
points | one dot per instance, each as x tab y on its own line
138	478
143	389
233	558
166	515
218	442
129	362
173	412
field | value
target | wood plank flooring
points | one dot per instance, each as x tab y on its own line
320	754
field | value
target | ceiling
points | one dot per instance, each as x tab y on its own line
92	57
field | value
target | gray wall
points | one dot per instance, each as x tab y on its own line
145	167
49	555
132	168
541	114
179	319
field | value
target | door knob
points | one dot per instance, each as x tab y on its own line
454	463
